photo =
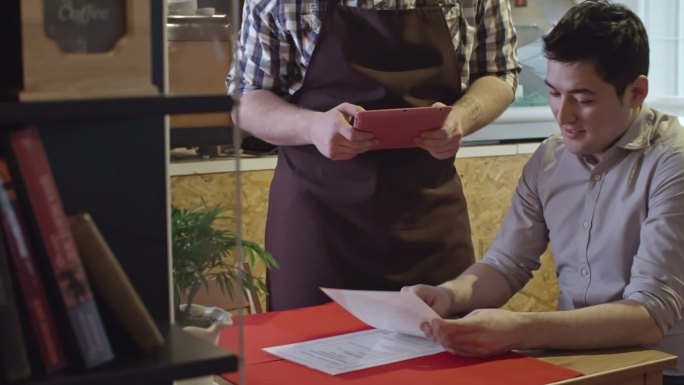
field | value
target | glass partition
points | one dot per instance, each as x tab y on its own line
199	55
214	269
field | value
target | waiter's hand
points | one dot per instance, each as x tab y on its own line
336	139
444	142
482	333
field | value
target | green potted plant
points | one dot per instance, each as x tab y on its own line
202	252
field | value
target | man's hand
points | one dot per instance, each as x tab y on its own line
444	142
336	139
482	333
440	299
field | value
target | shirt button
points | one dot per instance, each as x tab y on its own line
584	272
585	225
597	177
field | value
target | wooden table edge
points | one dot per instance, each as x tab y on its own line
656	366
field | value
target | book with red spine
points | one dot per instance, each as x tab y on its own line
84	334
27	276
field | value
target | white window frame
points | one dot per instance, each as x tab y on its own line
666	77
664	21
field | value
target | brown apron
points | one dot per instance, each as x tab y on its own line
386	218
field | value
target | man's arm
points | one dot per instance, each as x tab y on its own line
615	324
493	78
485	100
479	286
488	332
272	119
494	68
263	58
267	116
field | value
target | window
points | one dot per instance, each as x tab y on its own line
664	21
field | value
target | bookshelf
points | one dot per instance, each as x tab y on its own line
184	356
109	157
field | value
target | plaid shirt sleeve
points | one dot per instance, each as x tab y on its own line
263	52
494	49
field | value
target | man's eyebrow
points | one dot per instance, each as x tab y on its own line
574	90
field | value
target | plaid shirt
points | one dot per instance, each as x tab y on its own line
278	37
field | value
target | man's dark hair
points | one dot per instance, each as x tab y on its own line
609	35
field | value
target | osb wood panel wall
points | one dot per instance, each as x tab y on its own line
191	191
489	183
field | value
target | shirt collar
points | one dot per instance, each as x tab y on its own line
640	133
637	136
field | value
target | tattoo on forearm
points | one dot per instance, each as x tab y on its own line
474	109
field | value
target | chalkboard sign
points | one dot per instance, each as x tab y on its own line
80	49
85	26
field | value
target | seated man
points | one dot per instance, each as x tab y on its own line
607	192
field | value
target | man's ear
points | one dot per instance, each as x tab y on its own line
637	91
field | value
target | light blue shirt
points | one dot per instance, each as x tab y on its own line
616	228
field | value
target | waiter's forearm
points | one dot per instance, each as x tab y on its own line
485	99
267	116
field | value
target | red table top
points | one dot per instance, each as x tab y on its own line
285	327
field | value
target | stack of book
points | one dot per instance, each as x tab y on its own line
64	299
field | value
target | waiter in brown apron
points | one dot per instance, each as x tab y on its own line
384	218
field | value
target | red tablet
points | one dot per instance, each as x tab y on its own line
399	127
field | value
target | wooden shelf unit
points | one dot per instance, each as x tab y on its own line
184	356
109	157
